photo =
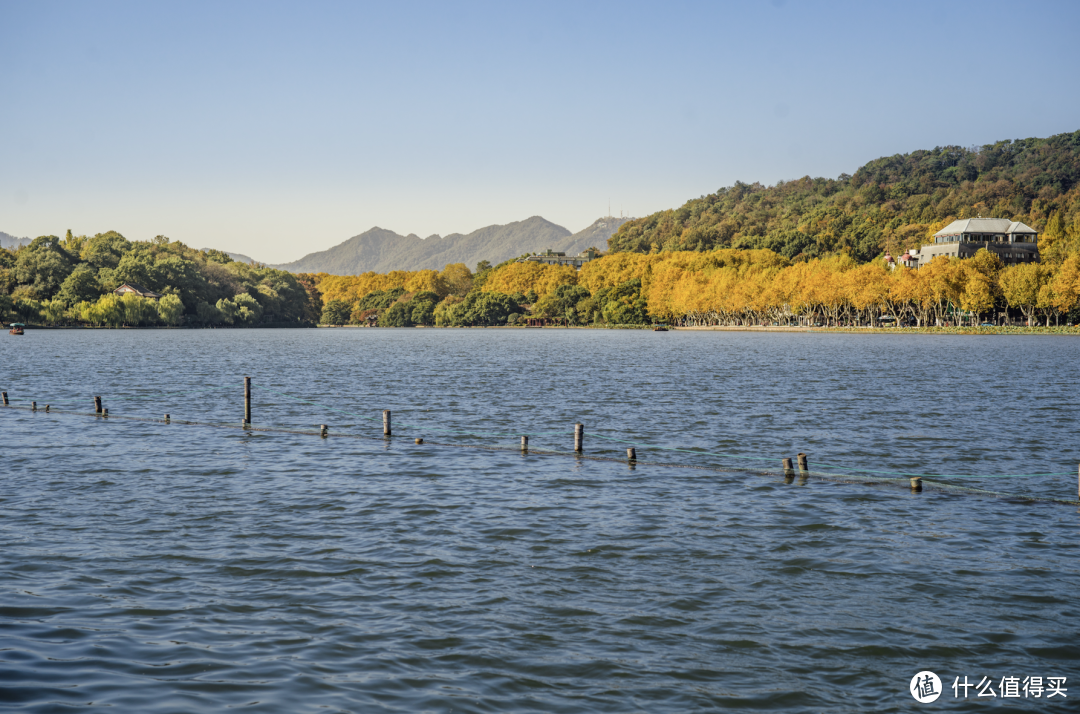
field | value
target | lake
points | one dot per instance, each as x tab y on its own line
156	567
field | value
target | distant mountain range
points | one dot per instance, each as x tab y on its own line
9	241
380	250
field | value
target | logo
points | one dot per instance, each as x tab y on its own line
925	687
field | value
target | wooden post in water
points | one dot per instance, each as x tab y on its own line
789	470
5	398
419	441
323	429
33	406
166	418
46	408
105	412
579	436
916	484
386	422
802	464
524	444
97	405
247	401
631	454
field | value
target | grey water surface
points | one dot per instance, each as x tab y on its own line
151	567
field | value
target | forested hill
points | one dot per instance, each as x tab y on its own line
891	203
9	241
381	250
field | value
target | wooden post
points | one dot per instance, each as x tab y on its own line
802	464
419	441
323	429
579	436
386	422
631	454
97	405
247	401
524	444
46	408
166	418
5	398
789	470
105	412
33	406
916	484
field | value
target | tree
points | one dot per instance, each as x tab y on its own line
457	278
336	312
170	309
227	312
105	250
138	310
248	310
562	304
108	310
397	315
52	312
81	285
1020	286
43	265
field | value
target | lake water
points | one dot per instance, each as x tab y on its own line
150	567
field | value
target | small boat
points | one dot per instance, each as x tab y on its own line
16	328
659	328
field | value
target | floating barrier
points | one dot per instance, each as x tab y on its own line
916	482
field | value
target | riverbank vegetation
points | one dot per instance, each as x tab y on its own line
70	281
720	287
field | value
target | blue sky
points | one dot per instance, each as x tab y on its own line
275	129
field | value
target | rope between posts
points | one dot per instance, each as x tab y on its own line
636	443
545	452
415	426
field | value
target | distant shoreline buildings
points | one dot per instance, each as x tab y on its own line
1012	241
550	257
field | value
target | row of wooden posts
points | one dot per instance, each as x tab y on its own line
579	437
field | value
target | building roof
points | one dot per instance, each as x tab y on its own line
1018	227
984	225
136	288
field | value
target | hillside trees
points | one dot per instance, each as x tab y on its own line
891	203
81	269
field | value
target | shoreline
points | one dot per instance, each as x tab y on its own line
1063	330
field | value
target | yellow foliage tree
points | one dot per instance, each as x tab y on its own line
530	275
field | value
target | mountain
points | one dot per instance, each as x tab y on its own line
9	241
238	257
891	203
595	236
381	251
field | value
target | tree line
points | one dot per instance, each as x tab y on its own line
719	287
72	281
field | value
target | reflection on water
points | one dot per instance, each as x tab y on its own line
152	567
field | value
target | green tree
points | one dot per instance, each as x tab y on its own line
248	310
105	250
81	285
336	312
43	266
207	314
52	312
170	309
138	310
227	312
28	309
397	315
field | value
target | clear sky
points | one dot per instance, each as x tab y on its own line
275	129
